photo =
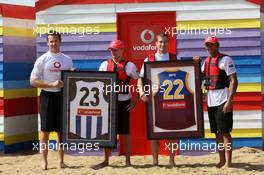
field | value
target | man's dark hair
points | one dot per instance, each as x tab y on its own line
53	33
162	35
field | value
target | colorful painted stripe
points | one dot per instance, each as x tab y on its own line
21	12
26	53
23	106
184	25
30	3
17	71
16	84
19	32
18	23
18	138
239	133
26	123
20	93
20	41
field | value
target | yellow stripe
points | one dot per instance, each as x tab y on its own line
39	90
205	24
1	93
53	135
21	32
1	30
262	26
242	87
78	29
246	87
181	25
19	93
20	138
249	87
1	136
238	133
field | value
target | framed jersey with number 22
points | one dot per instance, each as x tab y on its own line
89	108
174	108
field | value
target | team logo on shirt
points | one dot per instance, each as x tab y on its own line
57	65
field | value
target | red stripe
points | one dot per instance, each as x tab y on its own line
44	4
255	1
20	106
1	101
1	106
262	6
244	101
17	11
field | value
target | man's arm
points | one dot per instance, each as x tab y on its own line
41	84
232	88
141	92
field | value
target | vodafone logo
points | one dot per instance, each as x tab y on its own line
57	65
147	36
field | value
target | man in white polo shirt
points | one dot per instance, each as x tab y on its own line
46	74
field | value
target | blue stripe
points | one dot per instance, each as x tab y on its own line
78	125
237	142
20	147
1	146
99	126
17	71
87	64
17	84
88	127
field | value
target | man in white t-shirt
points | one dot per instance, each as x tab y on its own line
162	54
125	70
46	74
221	83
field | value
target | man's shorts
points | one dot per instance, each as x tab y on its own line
123	118
220	122
50	111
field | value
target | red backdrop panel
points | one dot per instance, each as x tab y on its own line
138	31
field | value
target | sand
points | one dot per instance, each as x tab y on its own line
246	161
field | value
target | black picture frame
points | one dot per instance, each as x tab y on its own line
89	115
175	108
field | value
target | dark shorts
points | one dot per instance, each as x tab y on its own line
50	111
220	122
123	123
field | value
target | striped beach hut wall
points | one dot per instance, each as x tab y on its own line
18	100
89	26
262	66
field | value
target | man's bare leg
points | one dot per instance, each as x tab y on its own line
127	141
44	149
172	153
60	152
228	149
155	151
220	141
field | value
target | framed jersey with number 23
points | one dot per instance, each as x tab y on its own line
174	108
89	108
